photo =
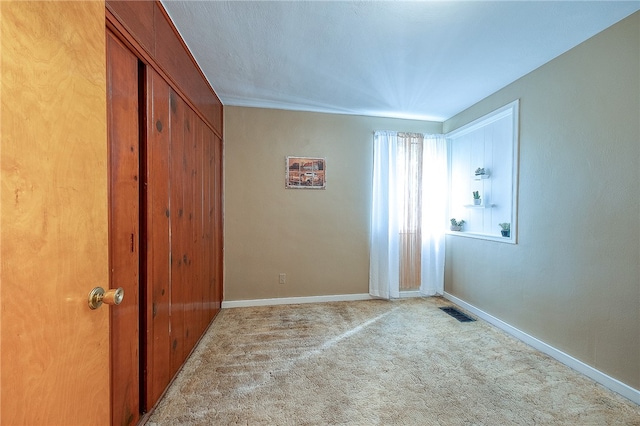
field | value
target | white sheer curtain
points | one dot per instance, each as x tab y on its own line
435	181
384	273
384	266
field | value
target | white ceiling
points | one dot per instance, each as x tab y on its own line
422	60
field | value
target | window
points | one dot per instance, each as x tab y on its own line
409	169
408	214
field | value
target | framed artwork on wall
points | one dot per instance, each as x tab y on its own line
305	173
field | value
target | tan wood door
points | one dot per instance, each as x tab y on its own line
123	105
54	367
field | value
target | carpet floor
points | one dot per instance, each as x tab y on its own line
376	362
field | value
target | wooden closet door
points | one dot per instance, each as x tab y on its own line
157	240
124	222
179	209
217	222
182	174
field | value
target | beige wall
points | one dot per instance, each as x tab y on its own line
319	238
573	280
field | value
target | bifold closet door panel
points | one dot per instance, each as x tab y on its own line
190	187
209	224
195	267
213	223
199	235
158	213
178	257
181	222
218	206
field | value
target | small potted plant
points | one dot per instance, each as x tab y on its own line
456	225
481	173
505	229
476	198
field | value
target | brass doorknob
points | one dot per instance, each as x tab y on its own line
98	296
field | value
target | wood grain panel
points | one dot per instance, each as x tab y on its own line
218	234
137	22
137	16
213	294
200	275
189	283
202	229
179	177
175	58
124	221
54	239
158	214
178	257
182	231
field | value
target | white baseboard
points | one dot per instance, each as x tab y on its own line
295	300
309	299
411	293
605	380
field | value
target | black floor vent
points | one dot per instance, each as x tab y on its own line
459	315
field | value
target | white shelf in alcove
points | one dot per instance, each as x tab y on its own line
481	206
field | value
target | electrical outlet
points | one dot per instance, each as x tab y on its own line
283	278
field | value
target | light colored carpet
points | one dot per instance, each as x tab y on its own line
376	362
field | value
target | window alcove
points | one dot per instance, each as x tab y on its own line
483	159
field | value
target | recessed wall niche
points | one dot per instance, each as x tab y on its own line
483	176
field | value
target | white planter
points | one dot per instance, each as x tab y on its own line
477	201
